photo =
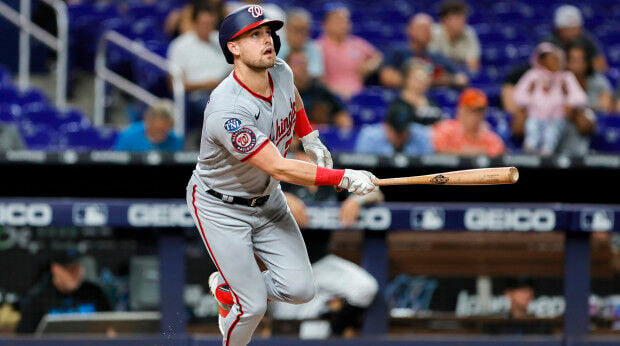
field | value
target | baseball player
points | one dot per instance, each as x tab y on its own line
234	193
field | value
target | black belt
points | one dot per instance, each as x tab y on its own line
250	202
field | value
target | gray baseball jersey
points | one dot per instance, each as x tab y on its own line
237	124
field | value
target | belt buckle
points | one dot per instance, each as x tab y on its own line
253	202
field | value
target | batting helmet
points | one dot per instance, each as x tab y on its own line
243	20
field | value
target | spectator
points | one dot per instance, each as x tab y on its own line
568	30
323	106
153	133
581	124
397	134
454	38
63	290
10	138
549	96
412	102
272	10
348	59
445	73
468	134
180	21
198	54
298	22
595	84
334	276
618	100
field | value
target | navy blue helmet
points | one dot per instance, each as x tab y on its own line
243	20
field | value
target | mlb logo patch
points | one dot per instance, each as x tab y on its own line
232	125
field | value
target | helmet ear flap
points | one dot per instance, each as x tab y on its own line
276	42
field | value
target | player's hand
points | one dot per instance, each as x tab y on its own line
350	211
358	182
318	153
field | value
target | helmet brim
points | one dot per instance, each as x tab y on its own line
275	25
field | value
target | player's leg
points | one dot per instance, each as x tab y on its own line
279	244
345	279
227	236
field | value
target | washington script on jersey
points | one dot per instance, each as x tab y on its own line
284	126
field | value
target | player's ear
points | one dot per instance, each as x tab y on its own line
233	47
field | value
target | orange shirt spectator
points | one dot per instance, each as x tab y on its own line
468	134
348	59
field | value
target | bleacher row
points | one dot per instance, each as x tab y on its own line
507	30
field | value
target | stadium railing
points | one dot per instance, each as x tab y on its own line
136	48
60	44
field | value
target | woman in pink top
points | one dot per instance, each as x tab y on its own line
549	95
348	59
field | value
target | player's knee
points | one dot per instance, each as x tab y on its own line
364	292
300	292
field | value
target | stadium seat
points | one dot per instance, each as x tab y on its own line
339	140
33	96
8	94
10	113
607	137
38	136
83	137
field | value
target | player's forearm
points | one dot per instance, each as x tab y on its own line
304	173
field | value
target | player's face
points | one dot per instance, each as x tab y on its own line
255	48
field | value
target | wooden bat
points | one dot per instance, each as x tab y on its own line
481	176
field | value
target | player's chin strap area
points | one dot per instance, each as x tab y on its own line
250	202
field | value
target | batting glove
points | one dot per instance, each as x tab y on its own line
318	153
358	182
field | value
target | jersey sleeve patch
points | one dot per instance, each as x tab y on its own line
232	124
243	140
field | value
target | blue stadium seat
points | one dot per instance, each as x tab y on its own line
8	94
80	137
339	140
443	97
33	96
10	113
607	137
368	106
42	114
38	136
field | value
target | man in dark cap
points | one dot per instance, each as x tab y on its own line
62	290
397	134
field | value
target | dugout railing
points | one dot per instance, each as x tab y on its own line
577	221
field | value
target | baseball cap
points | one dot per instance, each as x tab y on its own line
567	16
399	120
65	256
473	98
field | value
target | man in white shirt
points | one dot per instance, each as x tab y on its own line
198	54
454	38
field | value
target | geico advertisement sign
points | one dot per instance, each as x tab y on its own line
510	219
159	215
377	218
25	214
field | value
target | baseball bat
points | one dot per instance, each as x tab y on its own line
481	176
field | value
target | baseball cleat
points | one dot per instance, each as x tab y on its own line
221	292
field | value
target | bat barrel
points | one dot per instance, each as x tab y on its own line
482	176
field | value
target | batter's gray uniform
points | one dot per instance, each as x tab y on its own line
238	123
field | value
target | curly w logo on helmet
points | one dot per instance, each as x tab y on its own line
256	11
